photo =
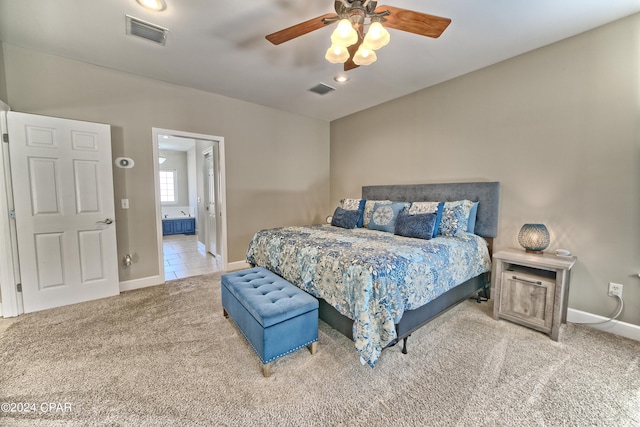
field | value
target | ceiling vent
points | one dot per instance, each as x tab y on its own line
146	30
322	89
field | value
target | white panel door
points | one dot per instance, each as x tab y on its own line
63	196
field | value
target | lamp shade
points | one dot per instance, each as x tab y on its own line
376	37
364	56
337	54
344	34
534	238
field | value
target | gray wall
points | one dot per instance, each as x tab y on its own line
558	127
277	163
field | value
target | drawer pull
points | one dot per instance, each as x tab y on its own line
531	282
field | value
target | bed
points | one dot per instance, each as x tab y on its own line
376	287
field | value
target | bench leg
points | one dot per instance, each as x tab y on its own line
266	370
313	348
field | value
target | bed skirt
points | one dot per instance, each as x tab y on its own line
412	319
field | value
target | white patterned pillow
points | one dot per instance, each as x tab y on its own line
351	204
423	207
455	217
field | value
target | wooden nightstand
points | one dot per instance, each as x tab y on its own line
531	289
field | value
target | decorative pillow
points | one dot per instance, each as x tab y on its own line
355	205
424	207
345	218
368	210
428	207
455	217
420	226
384	216
473	213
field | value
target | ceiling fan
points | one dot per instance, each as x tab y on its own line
350	44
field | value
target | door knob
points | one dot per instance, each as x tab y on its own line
106	221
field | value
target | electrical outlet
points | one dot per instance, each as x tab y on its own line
615	289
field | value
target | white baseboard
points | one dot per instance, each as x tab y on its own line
623	329
238	265
144	282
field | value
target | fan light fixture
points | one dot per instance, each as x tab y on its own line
155	5
344	35
349	31
377	36
364	56
337	54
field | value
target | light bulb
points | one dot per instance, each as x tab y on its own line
156	5
364	56
344	34
337	54
377	36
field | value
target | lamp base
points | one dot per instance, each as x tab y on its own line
533	252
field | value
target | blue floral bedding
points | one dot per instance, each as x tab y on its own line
372	277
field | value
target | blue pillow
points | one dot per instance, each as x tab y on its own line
473	213
419	226
355	204
438	219
368	210
384	216
345	218
428	207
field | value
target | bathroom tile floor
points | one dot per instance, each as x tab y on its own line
183	257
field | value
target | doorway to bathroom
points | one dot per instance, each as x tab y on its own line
190	203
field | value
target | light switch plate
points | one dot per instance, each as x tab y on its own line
124	203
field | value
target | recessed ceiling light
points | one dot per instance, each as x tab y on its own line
156	5
341	78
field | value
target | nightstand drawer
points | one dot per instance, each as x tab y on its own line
527	300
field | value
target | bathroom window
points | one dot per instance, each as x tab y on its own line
168	188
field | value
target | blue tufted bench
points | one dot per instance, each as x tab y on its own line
276	317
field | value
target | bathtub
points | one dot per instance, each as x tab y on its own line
178	225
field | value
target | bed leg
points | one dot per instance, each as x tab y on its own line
404	345
484	294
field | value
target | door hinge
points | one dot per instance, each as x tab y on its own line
5	137
12	214
19	287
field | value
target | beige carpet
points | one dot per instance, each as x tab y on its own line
166	356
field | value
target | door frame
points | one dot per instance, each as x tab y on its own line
9	267
211	151
155	132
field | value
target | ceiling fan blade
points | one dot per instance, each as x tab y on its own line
414	22
299	29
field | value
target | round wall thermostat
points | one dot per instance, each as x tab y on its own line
124	162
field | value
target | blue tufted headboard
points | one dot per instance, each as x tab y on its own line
487	193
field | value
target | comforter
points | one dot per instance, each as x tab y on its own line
370	276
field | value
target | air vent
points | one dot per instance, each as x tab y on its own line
139	28
322	89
